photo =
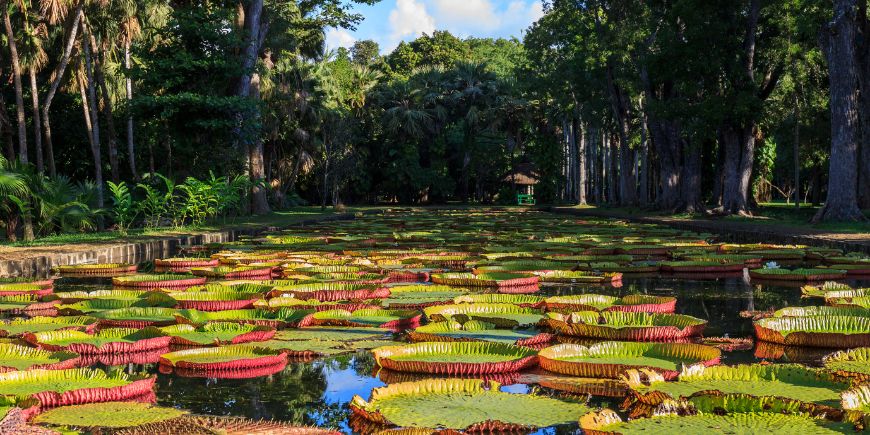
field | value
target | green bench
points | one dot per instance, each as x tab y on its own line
523	199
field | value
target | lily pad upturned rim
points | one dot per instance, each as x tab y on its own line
107	414
511	358
388	406
815	331
61	359
246	357
554	358
132	386
115	340
630	326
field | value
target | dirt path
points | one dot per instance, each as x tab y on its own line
742	232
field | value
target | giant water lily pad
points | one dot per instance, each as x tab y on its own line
108	414
135	317
208	425
387	319
852	363
506	315
217	333
460	404
494	279
279	318
791	381
16	357
330	333
475	330
629	326
63	387
464	358
215	300
168	280
238	360
815	331
105	341
16	327
664	422
610	359
630	303
417	296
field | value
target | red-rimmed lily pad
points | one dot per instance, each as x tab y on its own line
25	289
609	359
462	404
791	381
169	280
627	326
280	318
215	300
852	363
387	319
75	386
504	315
815	331
96	269
17	357
238	361
629	303
456	358
105	341
217	333
332	291
475	330
494	280
136	317
17	327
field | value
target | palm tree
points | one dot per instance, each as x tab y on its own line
33	59
16	79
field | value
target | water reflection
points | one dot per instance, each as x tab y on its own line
317	392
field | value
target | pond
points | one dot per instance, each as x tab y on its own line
316	391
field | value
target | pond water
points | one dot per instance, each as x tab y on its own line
317	392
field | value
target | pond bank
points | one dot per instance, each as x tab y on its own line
739	232
37	261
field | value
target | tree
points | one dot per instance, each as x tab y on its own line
16	79
838	42
365	52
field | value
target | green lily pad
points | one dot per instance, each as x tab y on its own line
107	414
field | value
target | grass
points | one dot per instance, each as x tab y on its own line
777	214
279	219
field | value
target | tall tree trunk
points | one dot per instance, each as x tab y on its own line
864	106
128	85
643	165
581	163
37	125
16	80
796	151
739	145
259	203
97	58
59	71
690	180
95	122
627	176
838	42
668	146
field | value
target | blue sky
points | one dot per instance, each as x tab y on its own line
391	21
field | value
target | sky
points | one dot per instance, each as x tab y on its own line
392	21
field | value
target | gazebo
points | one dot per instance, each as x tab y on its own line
524	177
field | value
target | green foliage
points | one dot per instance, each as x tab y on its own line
123	208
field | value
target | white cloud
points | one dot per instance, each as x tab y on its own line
339	38
410	18
486	17
467	15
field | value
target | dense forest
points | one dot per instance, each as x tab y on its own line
146	111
